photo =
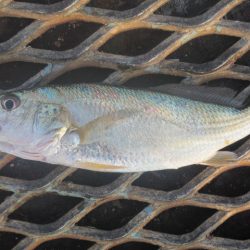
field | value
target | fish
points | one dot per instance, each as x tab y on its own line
115	129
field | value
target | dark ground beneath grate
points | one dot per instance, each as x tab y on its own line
9	240
16	25
114	4
45	208
186	8
180	220
64	244
135	246
65	36
112	215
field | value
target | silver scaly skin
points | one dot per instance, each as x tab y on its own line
116	129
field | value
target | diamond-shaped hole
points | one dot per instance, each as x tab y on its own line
180	220
65	36
26	170
185	8
135	246
240	13
112	215
168	180
237	227
91	178
244	60
64	244
232	183
9	26
114	4
47	2
151	80
4	194
132	42
203	49
9	240
13	74
45	208
83	75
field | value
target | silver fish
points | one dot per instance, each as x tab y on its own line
106	128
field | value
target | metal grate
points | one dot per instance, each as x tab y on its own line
136	43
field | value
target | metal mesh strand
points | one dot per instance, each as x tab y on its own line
191	208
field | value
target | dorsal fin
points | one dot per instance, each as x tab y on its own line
216	95
243	97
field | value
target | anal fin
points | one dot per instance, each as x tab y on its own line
222	158
99	167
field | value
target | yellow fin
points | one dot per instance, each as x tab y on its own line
222	158
97	166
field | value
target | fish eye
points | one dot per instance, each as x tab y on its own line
10	102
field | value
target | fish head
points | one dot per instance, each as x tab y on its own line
30	123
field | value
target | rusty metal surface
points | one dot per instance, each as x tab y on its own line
191	208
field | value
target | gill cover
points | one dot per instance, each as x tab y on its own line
50	117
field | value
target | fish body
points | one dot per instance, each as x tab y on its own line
115	129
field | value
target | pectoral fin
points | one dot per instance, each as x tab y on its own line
91	132
98	167
222	158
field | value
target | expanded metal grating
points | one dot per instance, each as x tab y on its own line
136	43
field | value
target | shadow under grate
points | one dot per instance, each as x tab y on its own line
152	80
13	74
232	183
45	208
132	42
135	246
65	36
168	180
240	13
40	1
4	194
237	227
9	240
21	169
203	49
180	220
112	215
114	5
90	178
16	25
83	75
186	8
65	244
